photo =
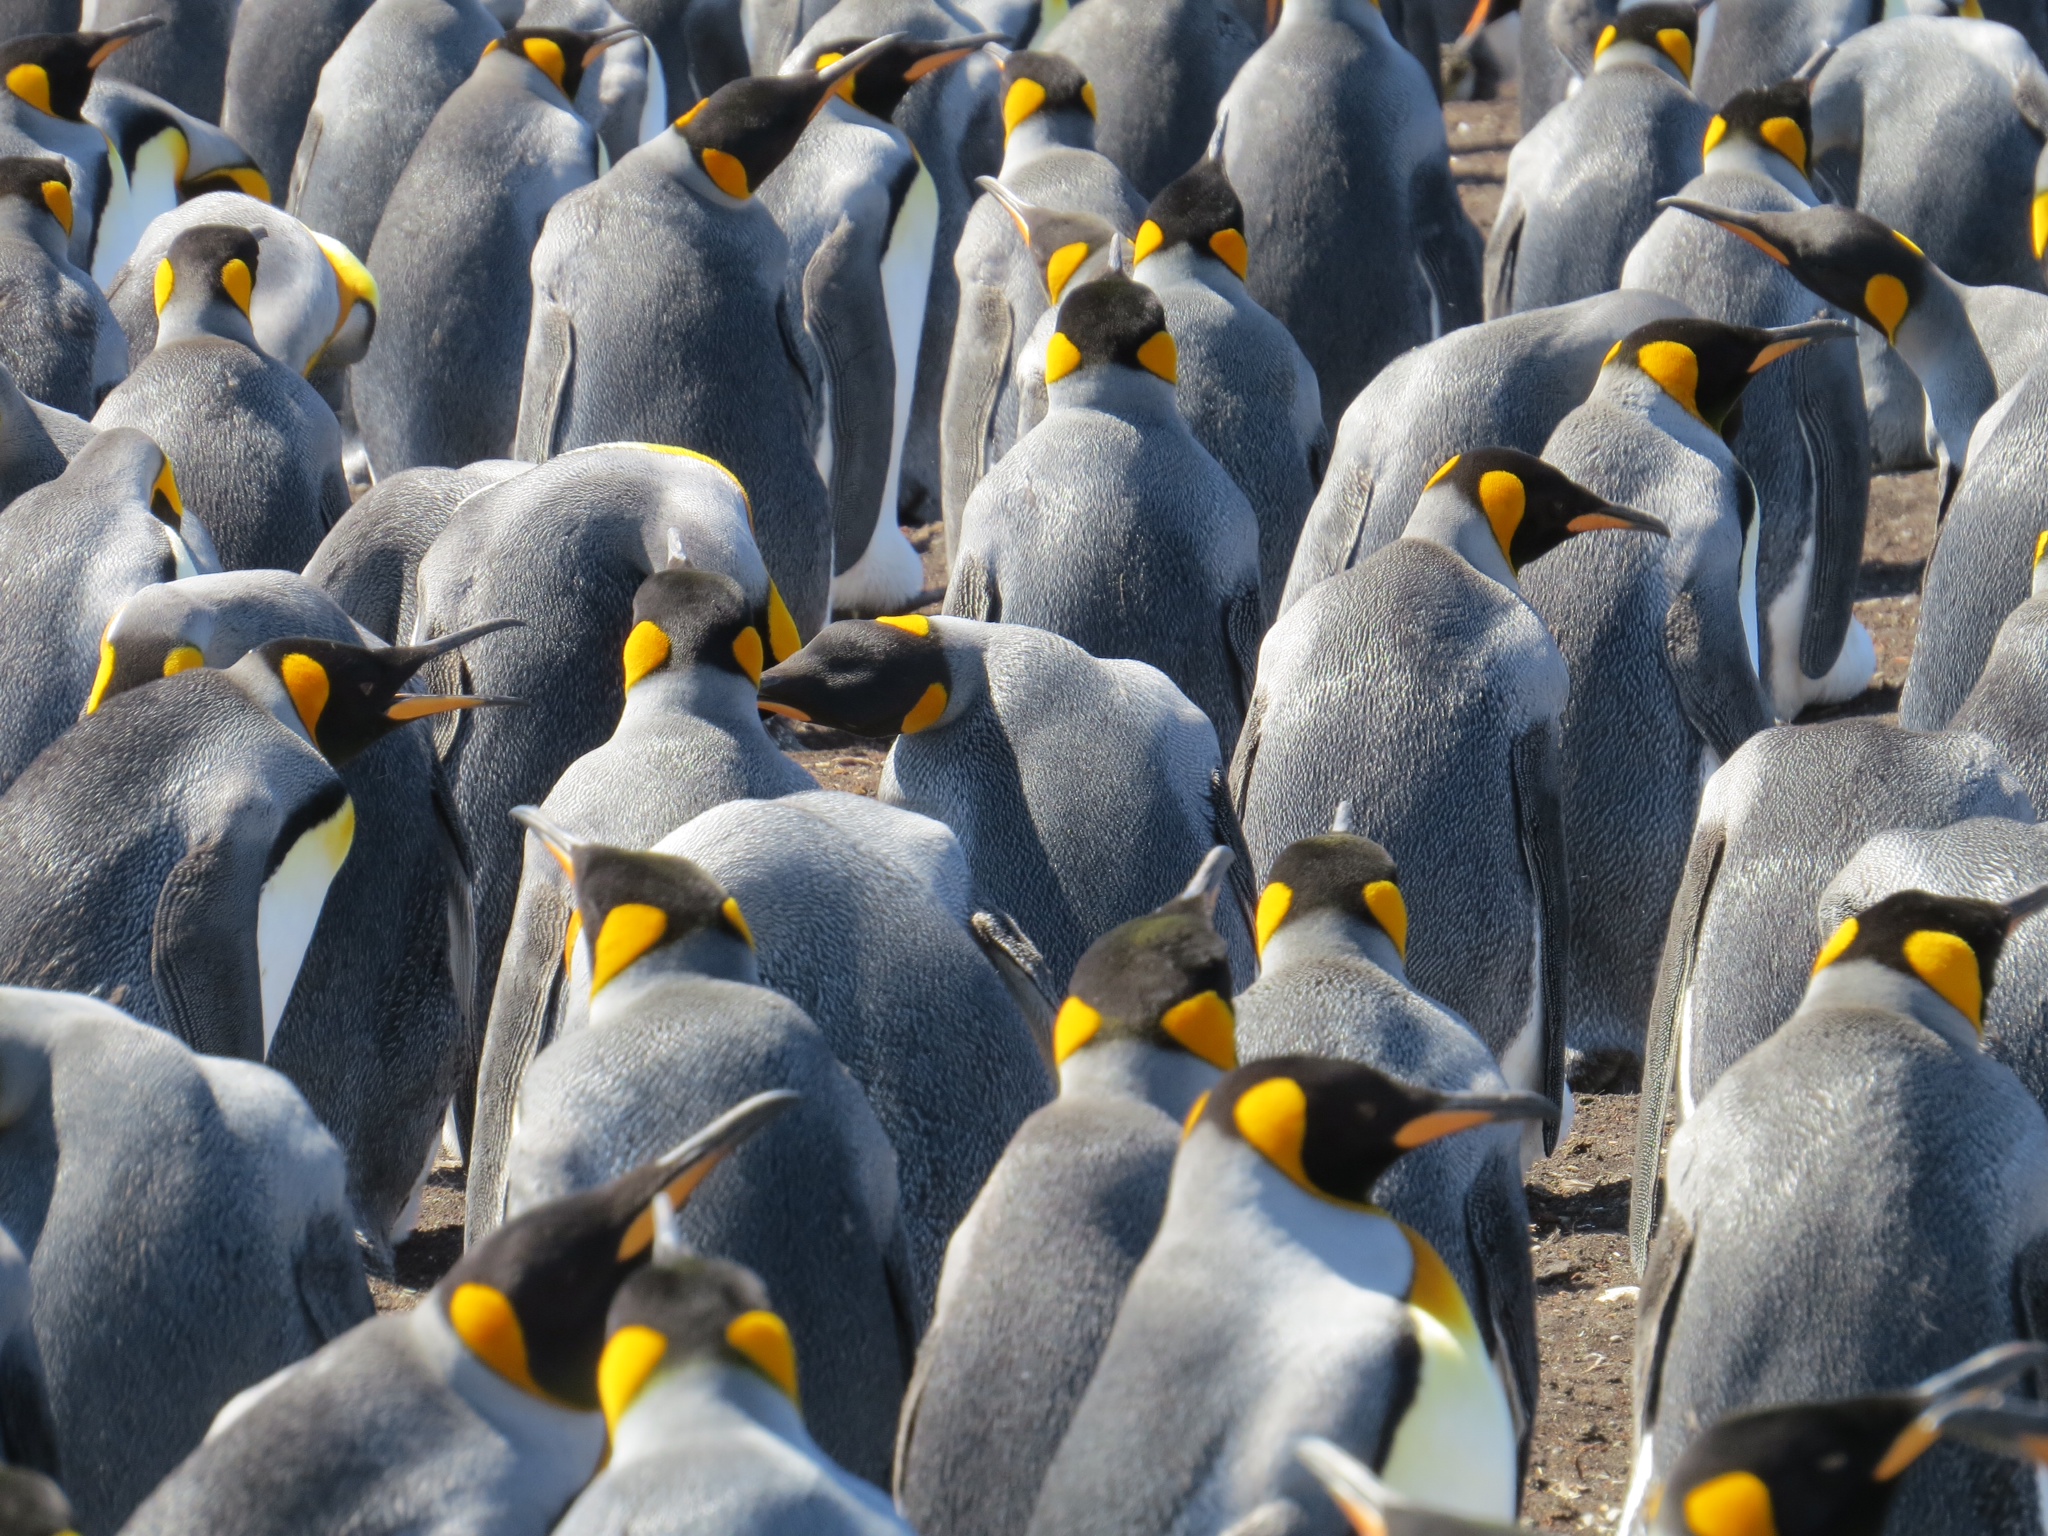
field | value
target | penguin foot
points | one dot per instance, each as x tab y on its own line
887	578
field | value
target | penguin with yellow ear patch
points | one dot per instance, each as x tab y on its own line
1109	524
258	451
679	1021
1871	1123
660	316
1039	1267
54	336
1333	928
479	1409
1423	665
690	737
1280	1300
440	381
1583	184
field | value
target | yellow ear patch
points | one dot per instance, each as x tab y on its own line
1062	357
2040	546
1060	269
926	711
1088	97
629	1358
1275	902
236	280
1205	1025
1676	368
784	640
1783	135
1909	245
730	909
1677	48
1605	42
647	648
764	1339
681	122
166	486
630	930
1273	1116
1503	498
1150	238
747	650
1074	1026
2040	224
1194	1113
166	280
841	88
105	675
545	54
1383	900
1838	942
569	940
1230	249
57	198
1452	462
1884	296
306	681
1948	965
483	1318
183	658
1019	102
31	82
910	623
726	173
1733	1504
1717	130
1159	356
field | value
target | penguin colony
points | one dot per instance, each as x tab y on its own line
451	451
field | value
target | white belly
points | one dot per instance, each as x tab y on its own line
288	909
135	195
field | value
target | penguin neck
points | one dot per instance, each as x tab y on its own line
671	152
1316	938
1130	394
1184	264
701	1396
1942	349
186	319
1866	984
1042	132
1356	13
1167	1078
21	220
1736	156
1632	390
556	1447
696	689
1625	53
264	687
700	956
1449	522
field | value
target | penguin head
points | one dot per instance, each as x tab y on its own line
530	1301
205	282
1050	93
1112	323
52	71
1198	209
1776	118
1065	246
43	185
879	86
653	910
1704	365
1528	507
1163	978
1809	1469
873	677
359	299
347	697
1846	258
1334	1127
743	130
32	1505
683	1310
684	617
560	54
1949	944
1660	35
1333	872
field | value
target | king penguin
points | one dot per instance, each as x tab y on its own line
1583	184
1668	631
273	73
1108	523
58	338
440	382
1456	772
476	1410
679	1020
2004	704
185	61
1871	1123
1081	790
1038	1268
699	347
1333	933
1278	1301
1753	43
258	451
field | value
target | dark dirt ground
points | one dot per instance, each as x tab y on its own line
1578	1197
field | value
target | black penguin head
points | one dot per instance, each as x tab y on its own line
743	130
1334	872
1705	365
1163	978
42	184
1112	322
32	1505
563	56
1334	1127
1060	243
631	904
1530	507
1044	84
52	71
530	1300
208	264
879	86
1775	117
682	1308
1820	1469
683	617
347	696
873	677
1669	30
1199	208
1950	943
1845	257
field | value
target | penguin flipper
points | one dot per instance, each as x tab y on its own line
849	327
1539	808
1496	1221
1503	246
1246	756
982	339
1708	660
202	952
972	593
1674	971
1656	1306
1837	460
1244	626
1229	833
550	360
1447	248
1023	970
327	1272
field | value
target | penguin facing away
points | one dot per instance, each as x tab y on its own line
55	335
273	75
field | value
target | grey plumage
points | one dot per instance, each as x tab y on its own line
2004	706
1755	43
55	326
273	74
185	62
